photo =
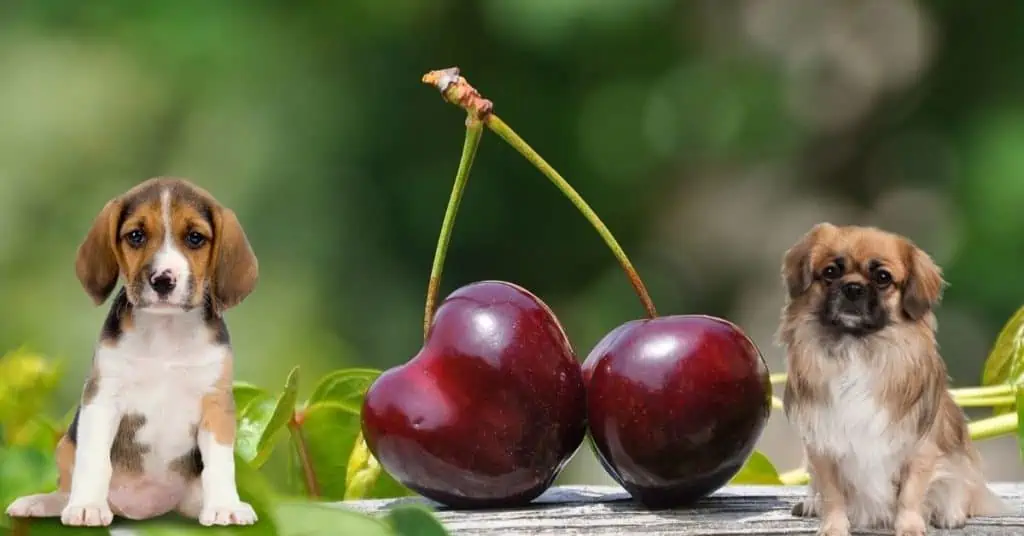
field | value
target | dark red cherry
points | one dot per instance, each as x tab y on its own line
491	408
676	404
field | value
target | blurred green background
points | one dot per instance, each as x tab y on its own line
707	134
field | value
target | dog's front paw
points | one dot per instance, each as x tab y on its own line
949	519
89	514
41	505
836	524
807	507
238	513
909	523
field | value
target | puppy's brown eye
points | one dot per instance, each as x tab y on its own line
195	240
832	271
135	238
882	278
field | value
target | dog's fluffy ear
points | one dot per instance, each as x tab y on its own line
922	289
796	262
96	263
235	267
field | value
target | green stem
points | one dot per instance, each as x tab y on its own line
473	131
989	390
985	401
456	90
501	129
965	396
299	440
993	426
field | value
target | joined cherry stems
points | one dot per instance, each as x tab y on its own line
480	111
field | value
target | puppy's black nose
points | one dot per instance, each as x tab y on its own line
854	291
162	284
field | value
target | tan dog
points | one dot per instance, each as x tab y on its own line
154	431
885	443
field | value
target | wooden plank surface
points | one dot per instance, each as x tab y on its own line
605	510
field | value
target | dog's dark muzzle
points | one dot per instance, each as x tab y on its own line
854	307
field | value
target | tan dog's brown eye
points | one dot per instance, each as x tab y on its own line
195	240
882	278
832	271
135	238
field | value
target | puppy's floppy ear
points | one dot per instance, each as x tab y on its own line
235	269
922	289
796	263
96	262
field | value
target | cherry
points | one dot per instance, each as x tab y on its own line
676	404
491	408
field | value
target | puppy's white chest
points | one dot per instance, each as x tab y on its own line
854	429
153	370
851	417
159	377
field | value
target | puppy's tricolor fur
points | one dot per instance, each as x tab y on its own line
886	445
154	431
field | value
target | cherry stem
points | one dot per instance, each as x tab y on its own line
474	128
299	439
456	90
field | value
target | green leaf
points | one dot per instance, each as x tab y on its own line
362	472
1020	422
260	422
316	519
173	525
251	424
24	471
1005	362
244	394
330	431
52	526
388	488
414	520
282	412
294	478
757	470
345	387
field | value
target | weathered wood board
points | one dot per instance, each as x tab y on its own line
605	510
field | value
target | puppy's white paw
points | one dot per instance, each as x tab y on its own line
92	514
41	505
238	513
835	525
909	523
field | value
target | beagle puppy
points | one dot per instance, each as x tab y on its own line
155	428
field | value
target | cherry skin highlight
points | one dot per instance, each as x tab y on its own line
676	405
489	411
